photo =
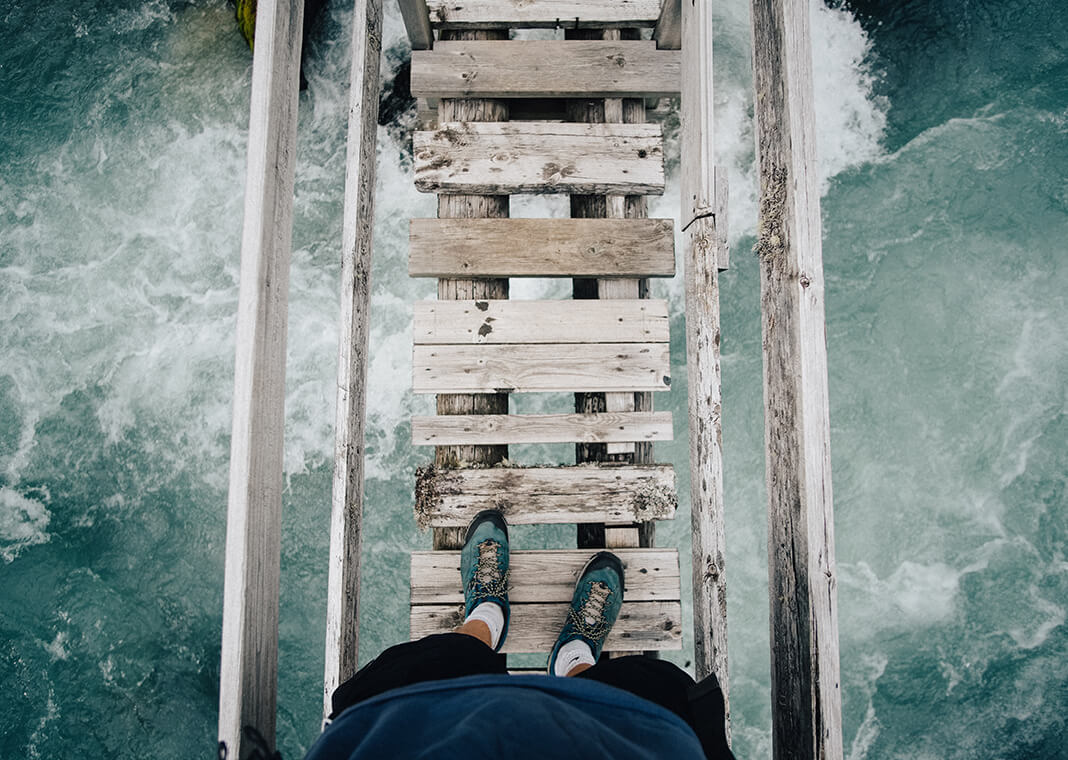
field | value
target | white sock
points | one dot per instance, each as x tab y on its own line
572	653
492	615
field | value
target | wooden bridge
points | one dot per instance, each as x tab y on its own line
566	116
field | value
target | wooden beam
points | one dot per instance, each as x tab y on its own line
343	584
806	695
491	322
701	221
542	248
546	14
547	576
541	368
540	157
642	626
668	31
248	678
487	429
546	69
463	287
532	495
417	23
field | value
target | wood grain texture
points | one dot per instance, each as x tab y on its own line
469	207
806	695
533	14
700	214
546	69
641	626
493	322
487	429
416	18
248	678
541	248
547	576
540	157
531	495
539	368
343	583
668	30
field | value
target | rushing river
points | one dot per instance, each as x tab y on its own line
942	137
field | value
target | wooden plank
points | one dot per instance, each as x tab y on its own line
642	626
699	212
547	576
469	206
534	368
668	30
492	322
546	14
539	157
806	696
416	22
343	582
485	429
533	495
617	537
546	69
542	248
248	678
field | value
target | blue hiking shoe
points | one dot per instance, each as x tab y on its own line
484	565
594	606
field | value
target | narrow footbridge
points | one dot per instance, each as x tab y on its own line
575	109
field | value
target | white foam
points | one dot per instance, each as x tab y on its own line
23	523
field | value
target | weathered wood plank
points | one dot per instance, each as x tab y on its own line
473	429
248	678
701	216
534	368
668	30
806	696
540	157
546	14
532	495
541	248
416	18
466	207
546	69
642	626
343	583
630	321
547	576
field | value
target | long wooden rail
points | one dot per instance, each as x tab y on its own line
248	678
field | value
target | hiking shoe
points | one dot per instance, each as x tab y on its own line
594	605
484	565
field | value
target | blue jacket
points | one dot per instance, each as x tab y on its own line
504	718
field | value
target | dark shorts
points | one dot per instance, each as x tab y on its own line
454	655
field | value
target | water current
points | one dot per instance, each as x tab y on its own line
123	124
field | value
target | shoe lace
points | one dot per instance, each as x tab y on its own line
589	620
488	580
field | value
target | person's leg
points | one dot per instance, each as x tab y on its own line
470	648
434	658
594	608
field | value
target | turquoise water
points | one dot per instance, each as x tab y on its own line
122	145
